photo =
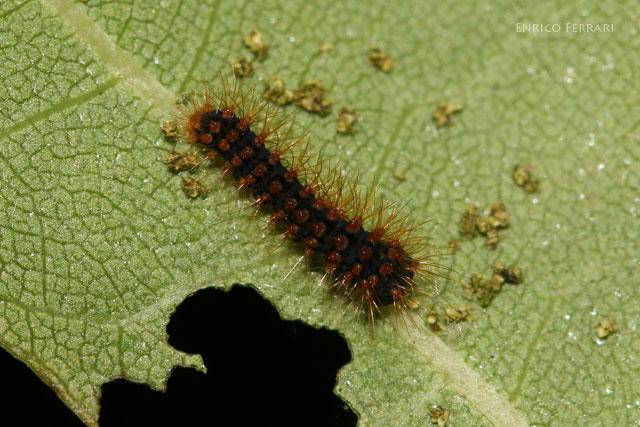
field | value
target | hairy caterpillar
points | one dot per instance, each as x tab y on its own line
369	251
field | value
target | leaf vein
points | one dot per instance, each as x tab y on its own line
64	104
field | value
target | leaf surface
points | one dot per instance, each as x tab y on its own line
98	244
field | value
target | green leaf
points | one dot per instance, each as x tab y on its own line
98	243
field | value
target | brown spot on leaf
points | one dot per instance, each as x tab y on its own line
326	47
523	177
442	115
312	97
242	67
193	188
170	129
253	41
433	322
381	60
458	313
439	416
454	245
276	92
606	327
510	273
472	223
346	121
178	162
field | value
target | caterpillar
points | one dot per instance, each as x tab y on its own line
370	252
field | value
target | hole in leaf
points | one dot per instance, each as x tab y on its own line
260	368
